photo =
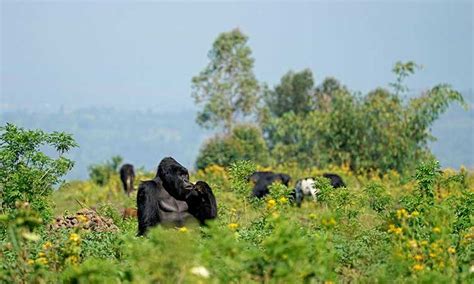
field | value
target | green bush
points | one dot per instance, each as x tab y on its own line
380	131
245	142
26	173
101	173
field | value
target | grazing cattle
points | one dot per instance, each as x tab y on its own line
335	180
170	198
306	187
262	180
127	176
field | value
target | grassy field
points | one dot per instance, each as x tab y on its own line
378	229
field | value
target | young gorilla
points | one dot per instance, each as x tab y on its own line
127	176
170	198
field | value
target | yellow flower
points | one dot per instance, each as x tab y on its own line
312	216
402	213
451	250
72	259
283	200
424	243
42	260
332	221
436	230
415	213
393	229
183	230
47	245
418	257
418	267
74	237
41	254
82	218
412	244
271	203
233	226
432	255
30	262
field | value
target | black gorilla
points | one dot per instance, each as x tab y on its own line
170	198
127	176
203	206
263	180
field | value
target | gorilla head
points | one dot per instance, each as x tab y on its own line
175	179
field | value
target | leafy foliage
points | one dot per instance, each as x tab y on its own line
244	143
294	93
101	173
375	132
226	87
348	235
26	173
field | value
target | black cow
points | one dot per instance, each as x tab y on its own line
127	176
170	198
263	180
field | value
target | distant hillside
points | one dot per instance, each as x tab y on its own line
140	137
144	137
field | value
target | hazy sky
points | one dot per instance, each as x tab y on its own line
141	55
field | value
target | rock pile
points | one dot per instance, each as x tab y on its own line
86	219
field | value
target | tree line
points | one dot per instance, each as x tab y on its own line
299	121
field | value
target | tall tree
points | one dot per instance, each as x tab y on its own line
227	88
294	93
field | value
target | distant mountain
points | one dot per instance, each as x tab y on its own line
144	137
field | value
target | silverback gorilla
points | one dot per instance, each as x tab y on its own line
263	180
127	175
170	198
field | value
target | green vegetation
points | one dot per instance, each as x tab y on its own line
381	228
327	124
227	86
26	173
400	219
101	173
244	143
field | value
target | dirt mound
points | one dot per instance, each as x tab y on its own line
86	219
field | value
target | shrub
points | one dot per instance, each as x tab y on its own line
26	173
245	142
101	173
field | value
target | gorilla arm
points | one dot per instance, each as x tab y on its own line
202	203
148	207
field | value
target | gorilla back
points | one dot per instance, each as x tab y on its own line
127	176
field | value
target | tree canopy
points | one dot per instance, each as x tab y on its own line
227	88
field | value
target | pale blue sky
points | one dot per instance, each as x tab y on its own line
141	55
